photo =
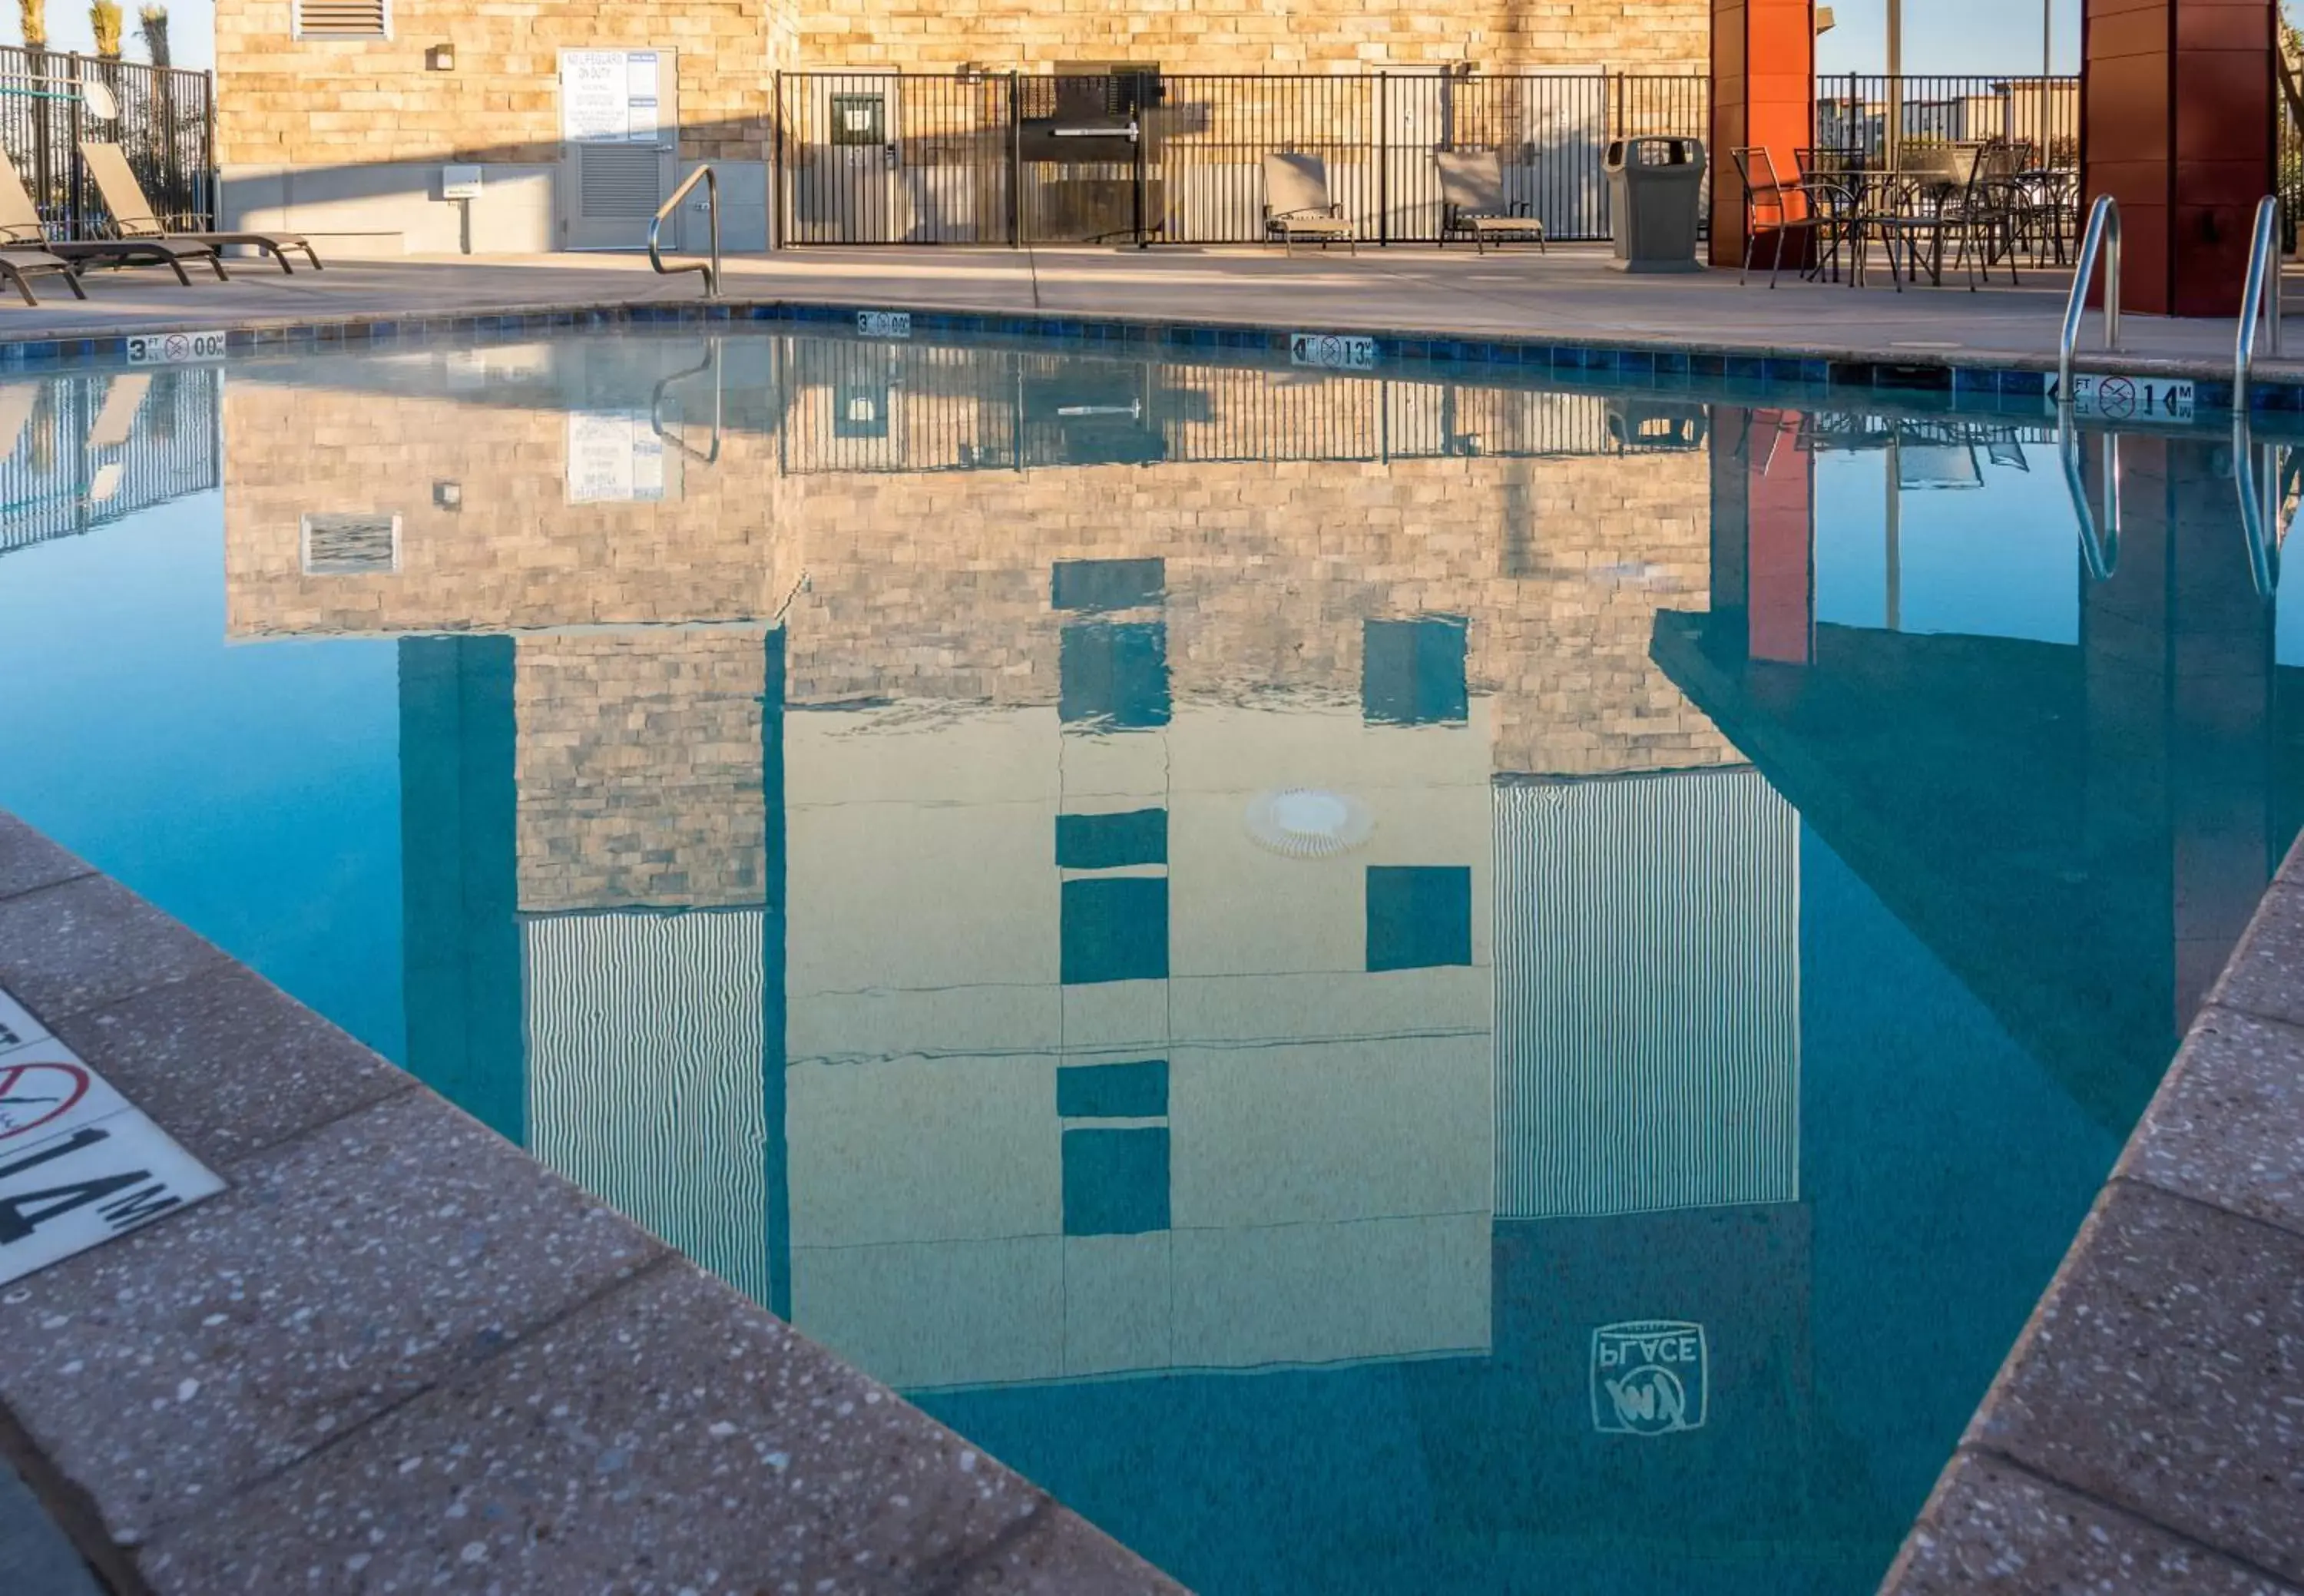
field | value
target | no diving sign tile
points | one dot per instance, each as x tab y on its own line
79	1163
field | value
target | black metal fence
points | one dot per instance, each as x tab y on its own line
165	122
1882	116
1001	158
83	451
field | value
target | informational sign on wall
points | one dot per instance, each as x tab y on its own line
79	1163
614	457
611	96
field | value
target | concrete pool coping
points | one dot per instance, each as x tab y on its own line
1560	315
2146	1435
398	1352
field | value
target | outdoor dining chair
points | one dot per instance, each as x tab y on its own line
21	228
1472	201
133	218
1769	201
1296	203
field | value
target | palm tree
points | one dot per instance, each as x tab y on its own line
103	21
152	22
35	16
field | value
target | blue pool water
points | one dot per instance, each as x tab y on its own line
1386	981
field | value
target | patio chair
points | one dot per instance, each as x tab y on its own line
1296	203
133	218
1472	201
19	266
1769	201
20	229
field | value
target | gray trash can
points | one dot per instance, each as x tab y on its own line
1655	187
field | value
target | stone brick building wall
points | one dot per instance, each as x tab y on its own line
347	102
639	770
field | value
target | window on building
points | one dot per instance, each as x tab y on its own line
1112	842
343	19
336	544
1115	673
1116	1181
1116	928
1137	1090
1419	916
1107	584
1412	671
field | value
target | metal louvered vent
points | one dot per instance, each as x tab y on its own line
620	181
341	19
340	544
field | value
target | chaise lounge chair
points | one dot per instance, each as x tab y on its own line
1296	203
133	218
1472	201
20	229
19	266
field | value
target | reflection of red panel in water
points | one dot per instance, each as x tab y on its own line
1782	517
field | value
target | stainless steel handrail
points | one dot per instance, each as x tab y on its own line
2259	299
710	269
2103	225
2102	554
678	437
2259	507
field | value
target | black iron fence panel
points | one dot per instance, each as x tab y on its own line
886	158
85	450
164	118
1882	118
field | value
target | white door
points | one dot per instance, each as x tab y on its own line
620	145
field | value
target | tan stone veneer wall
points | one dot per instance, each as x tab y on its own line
286	102
282	101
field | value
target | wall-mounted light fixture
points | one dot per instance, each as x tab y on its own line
448	495
440	58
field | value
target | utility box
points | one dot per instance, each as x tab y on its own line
1656	187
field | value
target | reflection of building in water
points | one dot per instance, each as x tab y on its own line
1679	1088
79	451
1082	1077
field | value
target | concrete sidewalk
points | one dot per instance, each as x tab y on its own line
1569	293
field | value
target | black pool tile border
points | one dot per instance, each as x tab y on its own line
2018	383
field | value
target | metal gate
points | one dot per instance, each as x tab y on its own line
1134	156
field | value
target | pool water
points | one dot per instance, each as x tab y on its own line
1385	980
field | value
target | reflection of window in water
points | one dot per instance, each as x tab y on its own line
1114	673
1419	916
1412	671
343	544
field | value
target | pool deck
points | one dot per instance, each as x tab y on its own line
2146	1434
1569	293
399	1353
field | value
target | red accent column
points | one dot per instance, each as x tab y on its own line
1782	512
1763	93
2178	125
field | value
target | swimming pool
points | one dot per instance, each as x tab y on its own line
1391	979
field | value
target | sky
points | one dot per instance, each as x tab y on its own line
1940	35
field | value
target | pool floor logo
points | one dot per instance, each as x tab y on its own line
1649	1377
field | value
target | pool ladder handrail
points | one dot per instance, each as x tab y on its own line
2259	299
678	437
2102	554
711	269
2100	242
2260	522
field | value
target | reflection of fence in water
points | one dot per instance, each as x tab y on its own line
84	451
884	408
872	158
